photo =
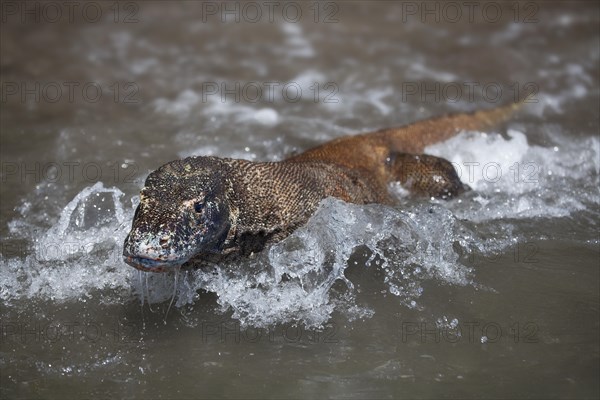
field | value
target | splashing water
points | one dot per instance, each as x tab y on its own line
303	278
293	280
79	253
515	180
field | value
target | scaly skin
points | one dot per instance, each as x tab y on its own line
205	209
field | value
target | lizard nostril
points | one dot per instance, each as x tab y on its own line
164	241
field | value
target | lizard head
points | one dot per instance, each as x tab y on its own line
183	212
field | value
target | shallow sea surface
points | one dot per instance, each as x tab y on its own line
491	295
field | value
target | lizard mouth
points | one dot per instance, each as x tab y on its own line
152	265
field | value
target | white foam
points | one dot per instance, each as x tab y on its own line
266	116
296	43
81	252
480	158
513	179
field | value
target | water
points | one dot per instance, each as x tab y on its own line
491	295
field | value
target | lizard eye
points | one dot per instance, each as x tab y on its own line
198	206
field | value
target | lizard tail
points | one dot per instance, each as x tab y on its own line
415	137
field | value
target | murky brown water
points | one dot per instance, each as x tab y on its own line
106	92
